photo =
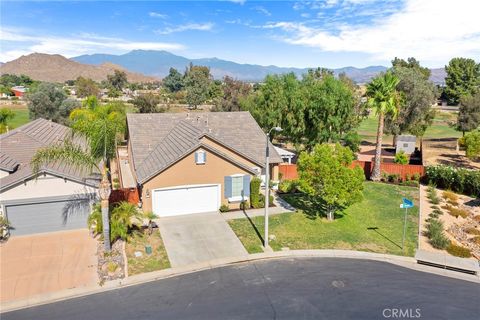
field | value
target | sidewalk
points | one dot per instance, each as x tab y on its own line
281	206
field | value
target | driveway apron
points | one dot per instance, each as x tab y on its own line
199	238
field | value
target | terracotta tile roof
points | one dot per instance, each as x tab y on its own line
161	139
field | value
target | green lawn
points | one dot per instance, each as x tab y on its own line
439	129
375	224
21	117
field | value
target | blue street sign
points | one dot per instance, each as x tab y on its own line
407	203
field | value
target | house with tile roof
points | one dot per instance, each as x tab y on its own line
58	198
187	163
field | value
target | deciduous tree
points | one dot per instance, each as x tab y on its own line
463	79
5	115
233	91
197	85
117	80
148	103
174	81
86	87
469	113
325	174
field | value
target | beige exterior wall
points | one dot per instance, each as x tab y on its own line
187	172
45	186
3	173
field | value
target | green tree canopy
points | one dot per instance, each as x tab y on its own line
118	80
197	85
469	113
86	87
417	98
411	63
325	174
463	79
471	142
233	91
49	101
12	80
174	81
148	103
5	115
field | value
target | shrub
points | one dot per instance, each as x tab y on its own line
459	251
244	205
255	192
288	186
449	195
394	178
401	158
262	201
456	212
112	266
473	231
435	234
477	218
460	180
416	177
476	240
224	208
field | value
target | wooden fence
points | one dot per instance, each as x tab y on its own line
127	194
289	171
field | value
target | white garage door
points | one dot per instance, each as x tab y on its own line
186	200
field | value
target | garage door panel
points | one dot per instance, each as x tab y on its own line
47	217
187	200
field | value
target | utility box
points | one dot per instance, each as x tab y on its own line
405	143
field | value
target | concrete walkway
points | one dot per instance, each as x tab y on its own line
281	206
197	238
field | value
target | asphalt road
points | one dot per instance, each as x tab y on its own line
316	288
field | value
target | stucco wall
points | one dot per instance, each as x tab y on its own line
3	173
186	172
45	186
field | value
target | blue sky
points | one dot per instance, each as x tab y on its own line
328	33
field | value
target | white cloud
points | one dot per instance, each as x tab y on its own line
25	43
422	28
237	1
262	10
154	14
186	27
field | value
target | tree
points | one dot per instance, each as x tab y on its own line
469	113
471	142
463	79
174	81
233	91
12	80
197	85
383	97
49	101
418	96
411	63
5	115
325	174
148	103
86	87
117	80
100	126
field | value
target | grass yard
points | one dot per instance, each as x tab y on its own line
375	224
439	129
146	263
21	117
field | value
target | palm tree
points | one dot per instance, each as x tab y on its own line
383	97
99	126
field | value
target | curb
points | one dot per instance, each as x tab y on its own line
407	262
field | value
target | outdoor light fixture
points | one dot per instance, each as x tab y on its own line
267	181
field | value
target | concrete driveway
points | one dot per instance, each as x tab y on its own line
198	238
43	263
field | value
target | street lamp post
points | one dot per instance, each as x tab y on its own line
267	182
104	191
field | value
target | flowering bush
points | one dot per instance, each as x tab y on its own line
456	179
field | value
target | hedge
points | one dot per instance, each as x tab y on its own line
456	179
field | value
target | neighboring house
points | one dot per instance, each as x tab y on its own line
192	163
19	91
405	143
59	198
287	156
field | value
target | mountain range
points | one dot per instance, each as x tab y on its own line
150	65
57	68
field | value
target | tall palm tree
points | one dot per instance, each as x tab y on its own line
99	126
383	97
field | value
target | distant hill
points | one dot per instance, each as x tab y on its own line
158	63
438	75
57	68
